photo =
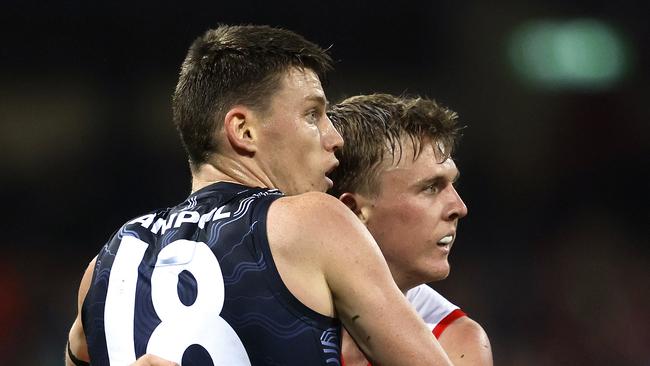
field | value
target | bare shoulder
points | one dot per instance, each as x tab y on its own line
311	237
313	214
466	328
316	225
310	206
467	343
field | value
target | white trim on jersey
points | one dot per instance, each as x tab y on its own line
429	304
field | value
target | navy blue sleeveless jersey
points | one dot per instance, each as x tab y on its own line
197	284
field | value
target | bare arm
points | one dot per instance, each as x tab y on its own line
376	314
466	343
77	337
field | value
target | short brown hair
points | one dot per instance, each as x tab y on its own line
373	125
233	65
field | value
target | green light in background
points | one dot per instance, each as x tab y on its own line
582	54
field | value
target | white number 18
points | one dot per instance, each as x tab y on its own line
181	326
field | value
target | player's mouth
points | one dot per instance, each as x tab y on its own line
328	172
329	182
446	241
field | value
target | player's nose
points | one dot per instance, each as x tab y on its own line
332	139
457	207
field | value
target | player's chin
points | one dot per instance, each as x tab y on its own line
439	271
443	275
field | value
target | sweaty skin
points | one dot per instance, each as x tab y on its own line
325	256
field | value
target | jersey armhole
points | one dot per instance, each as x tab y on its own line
74	358
295	306
444	323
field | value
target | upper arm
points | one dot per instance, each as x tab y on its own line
467	343
367	300
77	337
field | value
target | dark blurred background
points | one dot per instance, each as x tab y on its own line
553	258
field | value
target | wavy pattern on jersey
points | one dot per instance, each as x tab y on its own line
244	205
167	237
126	232
106	249
241	242
275	328
191	203
330	341
215	230
102	272
243	192
241	211
102	275
242	268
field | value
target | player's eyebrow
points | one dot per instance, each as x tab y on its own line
424	182
436	179
319	99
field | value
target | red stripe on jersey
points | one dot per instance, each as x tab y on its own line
444	323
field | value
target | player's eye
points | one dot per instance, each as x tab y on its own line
432	188
313	116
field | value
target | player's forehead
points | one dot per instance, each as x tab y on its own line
417	160
302	84
410	151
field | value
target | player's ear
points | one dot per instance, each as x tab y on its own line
239	127
357	203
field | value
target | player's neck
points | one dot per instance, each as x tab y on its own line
223	169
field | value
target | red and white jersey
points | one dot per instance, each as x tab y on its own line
436	311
